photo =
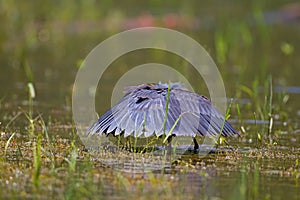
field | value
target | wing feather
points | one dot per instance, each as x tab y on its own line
206	119
141	112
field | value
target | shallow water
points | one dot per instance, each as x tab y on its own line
259	40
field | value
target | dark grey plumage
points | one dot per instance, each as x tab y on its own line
141	113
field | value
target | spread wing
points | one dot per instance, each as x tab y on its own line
142	113
199	116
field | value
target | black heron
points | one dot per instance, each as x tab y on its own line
142	113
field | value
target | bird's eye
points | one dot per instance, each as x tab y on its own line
159	91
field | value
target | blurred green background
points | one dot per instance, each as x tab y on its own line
45	41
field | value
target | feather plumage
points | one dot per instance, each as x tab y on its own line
142	113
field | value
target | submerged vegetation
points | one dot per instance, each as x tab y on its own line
41	156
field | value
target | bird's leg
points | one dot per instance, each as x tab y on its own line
169	145
170	139
196	145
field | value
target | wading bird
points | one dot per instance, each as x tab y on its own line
158	109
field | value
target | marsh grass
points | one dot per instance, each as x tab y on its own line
263	109
167	109
37	160
37	143
297	170
7	144
73	158
49	148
